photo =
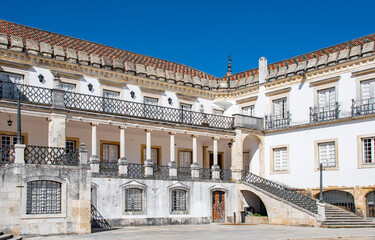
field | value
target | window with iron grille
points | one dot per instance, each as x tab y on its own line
179	201
280	159
368	150
185	158
133	200
327	154
43	197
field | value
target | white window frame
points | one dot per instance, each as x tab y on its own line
361	153
135	184
179	187
321	143
282	169
283	108
251	110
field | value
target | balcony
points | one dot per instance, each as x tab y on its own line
277	121
90	103
327	113
363	107
246	121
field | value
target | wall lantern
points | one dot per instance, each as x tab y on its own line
170	101
10	122
41	78
132	94
90	86
230	144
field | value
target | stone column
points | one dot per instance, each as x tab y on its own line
56	130
83	154
122	162
94	159
57	93
215	167
149	171
195	166
237	153
172	163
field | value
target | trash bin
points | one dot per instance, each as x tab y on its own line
243	216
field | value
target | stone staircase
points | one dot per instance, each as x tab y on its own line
8	236
339	218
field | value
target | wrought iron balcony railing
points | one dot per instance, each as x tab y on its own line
145	111
277	121
108	169
280	191
27	93
326	113
7	154
51	155
363	106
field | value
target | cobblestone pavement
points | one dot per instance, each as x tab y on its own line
220	231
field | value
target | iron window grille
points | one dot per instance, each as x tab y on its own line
277	121
326	113
133	200
51	155
179	201
43	197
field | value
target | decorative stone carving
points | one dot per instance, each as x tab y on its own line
179	79
141	70
71	55
322	61
118	66
83	58
233	84
130	68
160	74
291	70
94	60
189	81
32	47
343	56
106	63
252	80
311	64
45	49
16	43
332	59
355	52
367	50
58	53
151	73
3	41
281	73
170	77
272	75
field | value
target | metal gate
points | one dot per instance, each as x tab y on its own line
218	206
370	204
341	199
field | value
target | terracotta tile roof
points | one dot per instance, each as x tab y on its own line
315	54
25	32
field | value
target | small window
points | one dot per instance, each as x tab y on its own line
110	152
186	112
151	101
280	159
218	112
368	150
154	155
133	200
179	201
68	87
111	94
327	154
43	197
326	98
185	158
280	108
248	111
368	89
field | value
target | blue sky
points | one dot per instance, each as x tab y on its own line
201	34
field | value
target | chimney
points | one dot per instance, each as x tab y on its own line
263	71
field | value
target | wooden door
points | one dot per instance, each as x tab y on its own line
218	206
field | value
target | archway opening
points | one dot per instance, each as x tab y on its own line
370	204
218	206
339	198
251	155
253	205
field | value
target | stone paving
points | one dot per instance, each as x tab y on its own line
223	231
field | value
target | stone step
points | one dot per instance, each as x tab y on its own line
348	223
6	236
348	226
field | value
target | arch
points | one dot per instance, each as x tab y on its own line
253	146
253	204
370	204
339	198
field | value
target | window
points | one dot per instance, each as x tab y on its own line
248	111
7	141
150	107
185	158
368	89
110	152
326	98
133	200
327	154
246	161
179	201
368	150
280	159
68	87
43	197
70	145
280	108
155	151
186	112
109	101
8	89
218	112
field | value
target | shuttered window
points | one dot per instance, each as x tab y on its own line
327	154
327	98
133	200
248	111
154	155
368	150
280	108
368	89
185	158
110	152
280	159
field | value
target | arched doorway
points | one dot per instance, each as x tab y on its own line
253	205
218	206
338	198
370	204
252	154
